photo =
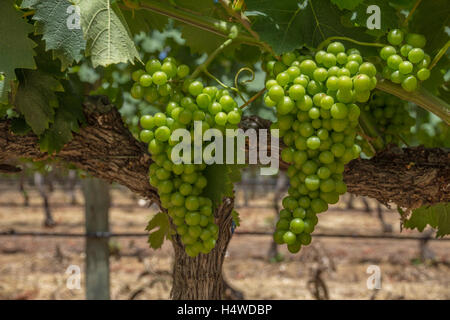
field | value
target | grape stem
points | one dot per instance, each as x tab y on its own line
368	44
202	22
211	57
421	97
412	12
440	54
368	129
205	71
256	96
245	23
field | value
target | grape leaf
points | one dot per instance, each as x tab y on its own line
347	4
108	37
221	179
67	119
29	4
201	41
19	126
388	15
144	20
156	238
16	49
287	25
437	216
432	19
236	218
36	99
67	43
198	40
436	79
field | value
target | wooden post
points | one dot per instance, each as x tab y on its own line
97	203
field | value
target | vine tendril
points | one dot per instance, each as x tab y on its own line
236	83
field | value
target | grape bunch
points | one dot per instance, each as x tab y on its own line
180	186
317	115
391	118
405	60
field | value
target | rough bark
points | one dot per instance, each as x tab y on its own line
104	147
409	177
201	278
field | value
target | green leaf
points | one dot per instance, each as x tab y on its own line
68	44
201	41
236	218
432	19
347	4
221	179
109	40
29	4
156	238
287	25
19	126
437	216
16	49
198	40
144	20
67	119
36	99
388	15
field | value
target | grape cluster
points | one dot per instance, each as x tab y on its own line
391	118
317	114
406	62
180	186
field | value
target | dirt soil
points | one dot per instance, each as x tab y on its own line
35	267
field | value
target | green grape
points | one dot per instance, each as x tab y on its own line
405	49
361	82
410	83
387	51
329	60
395	37
393	61
307	67
276	93
159	78
136	75
415	40
416	55
183	71
153	66
423	74
195	88
137	91
335	48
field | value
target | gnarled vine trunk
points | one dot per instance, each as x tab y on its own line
200	278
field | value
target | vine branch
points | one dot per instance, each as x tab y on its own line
386	177
440	54
202	22
421	97
367	44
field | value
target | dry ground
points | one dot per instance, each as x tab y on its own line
34	268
